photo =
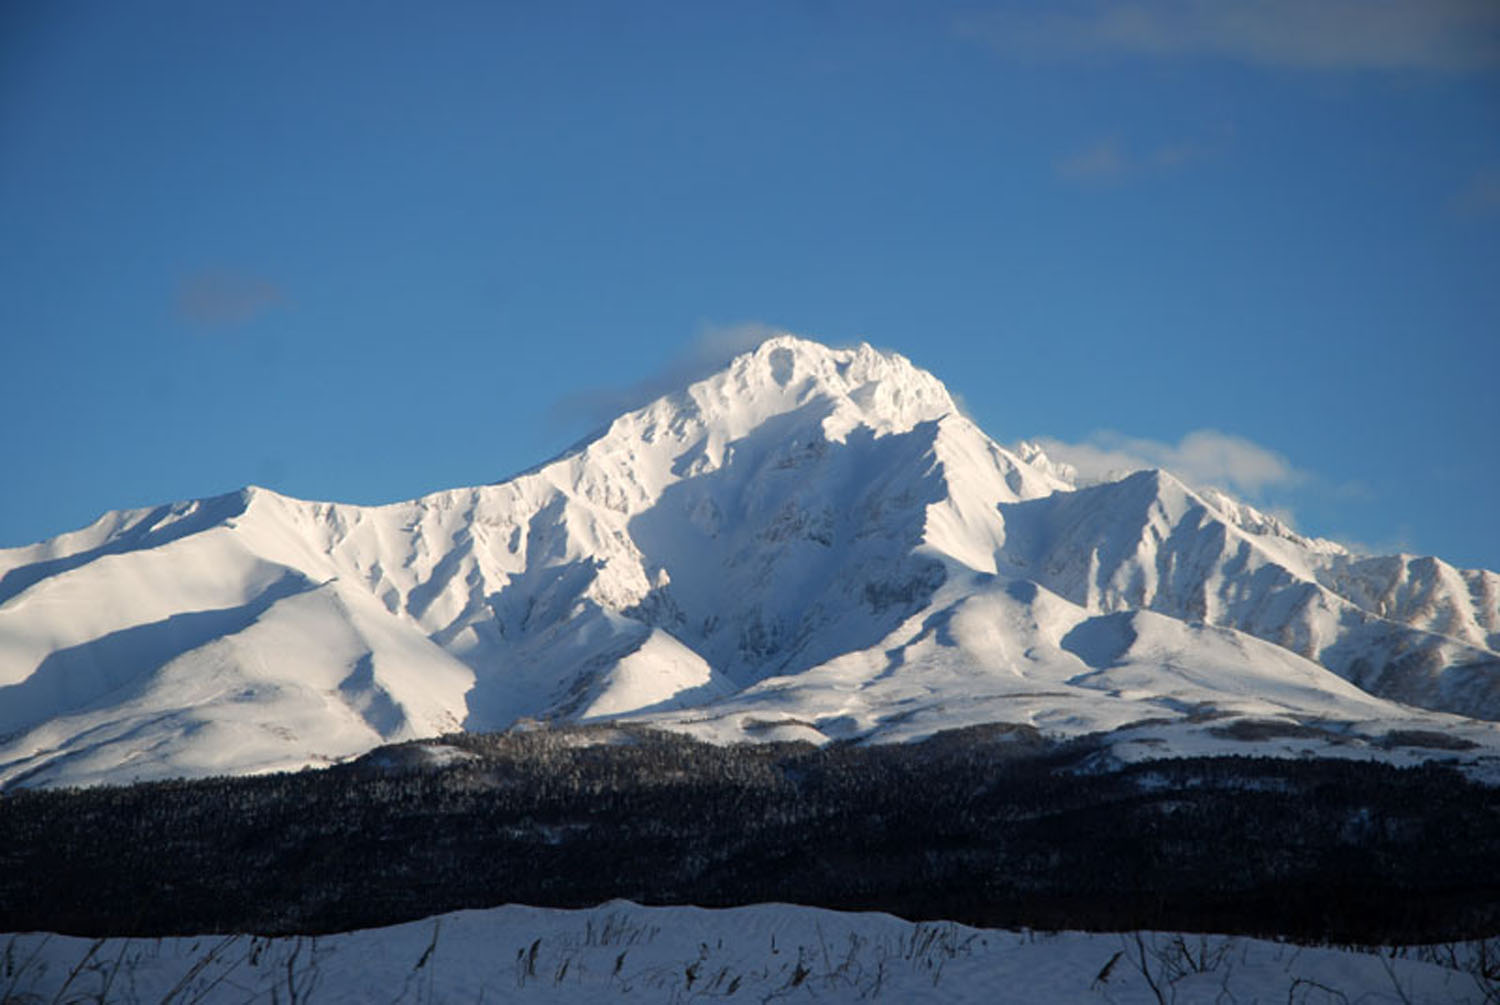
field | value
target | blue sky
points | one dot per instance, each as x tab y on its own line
362	251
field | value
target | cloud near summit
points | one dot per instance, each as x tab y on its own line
1202	457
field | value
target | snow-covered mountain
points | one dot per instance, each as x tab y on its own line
812	543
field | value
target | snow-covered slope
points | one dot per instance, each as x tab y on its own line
812	542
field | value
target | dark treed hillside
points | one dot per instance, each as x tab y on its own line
988	826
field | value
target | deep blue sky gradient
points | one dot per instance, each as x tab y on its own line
366	251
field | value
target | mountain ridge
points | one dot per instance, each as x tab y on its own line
752	548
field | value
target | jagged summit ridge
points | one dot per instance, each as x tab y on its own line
807	389
810	542
883	389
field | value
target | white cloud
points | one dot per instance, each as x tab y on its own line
1202	457
1311	34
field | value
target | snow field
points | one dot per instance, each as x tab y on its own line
771	952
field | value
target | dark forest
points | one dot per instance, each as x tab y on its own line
989	826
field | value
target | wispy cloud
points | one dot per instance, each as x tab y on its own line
710	349
1104	161
1110	160
1398	543
1204	457
1481	196
225	298
1450	35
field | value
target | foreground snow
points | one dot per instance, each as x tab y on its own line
770	952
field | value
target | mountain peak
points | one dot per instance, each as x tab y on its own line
788	358
844	388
